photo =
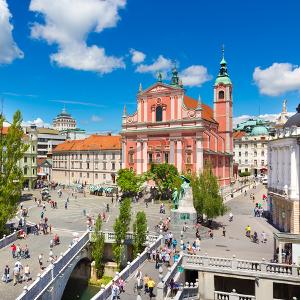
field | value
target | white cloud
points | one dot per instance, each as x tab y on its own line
8	47
38	122
68	24
137	56
160	64
194	75
96	119
277	79
265	117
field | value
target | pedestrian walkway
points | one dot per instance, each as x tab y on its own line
37	245
148	268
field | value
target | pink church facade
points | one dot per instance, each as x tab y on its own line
171	127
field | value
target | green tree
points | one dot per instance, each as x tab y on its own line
98	247
128	181
166	178
12	149
121	227
206	194
139	232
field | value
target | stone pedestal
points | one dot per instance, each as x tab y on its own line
110	269
186	212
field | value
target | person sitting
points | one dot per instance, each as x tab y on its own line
21	234
56	239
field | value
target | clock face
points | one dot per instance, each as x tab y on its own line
191	114
129	119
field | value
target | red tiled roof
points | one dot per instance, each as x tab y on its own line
207	112
238	135
93	142
5	130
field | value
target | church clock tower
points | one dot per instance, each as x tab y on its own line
223	105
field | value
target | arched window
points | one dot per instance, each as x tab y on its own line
221	95
158	113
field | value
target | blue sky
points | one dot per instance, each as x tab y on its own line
91	55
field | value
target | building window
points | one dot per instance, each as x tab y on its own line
80	175
104	155
96	176
246	146
72	165
255	162
113	156
262	162
87	165
262	153
150	158
246	153
246	161
96	166
87	156
158	113
87	175
221	95
240	146
72	174
80	156
166	157
131	159
113	166
80	165
33	148
240	154
255	153
104	166
104	176
188	158
72	156
158	159
25	159
33	171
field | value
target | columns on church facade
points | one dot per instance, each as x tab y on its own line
139	157
172	152
124	155
199	155
179	156
145	156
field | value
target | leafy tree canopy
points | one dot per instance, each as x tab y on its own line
98	247
12	149
140	232
165	176
128	181
206	194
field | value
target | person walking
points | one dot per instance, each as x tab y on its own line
27	273
40	259
224	231
114	291
6	274
66	205
151	285
146	279
13	250
16	274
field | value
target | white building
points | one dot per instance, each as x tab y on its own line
48	139
94	160
64	121
283	187
250	150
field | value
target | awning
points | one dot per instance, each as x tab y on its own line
41	174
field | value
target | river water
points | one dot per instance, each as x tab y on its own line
79	290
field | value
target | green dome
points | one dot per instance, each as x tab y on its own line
223	79
259	130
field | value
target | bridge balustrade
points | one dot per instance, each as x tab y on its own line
258	267
42	282
232	296
6	240
130	269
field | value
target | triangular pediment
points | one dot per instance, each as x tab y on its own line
160	87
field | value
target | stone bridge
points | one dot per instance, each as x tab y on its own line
52	282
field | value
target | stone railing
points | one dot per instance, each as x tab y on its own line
188	291
130	269
208	263
50	273
6	240
109	237
232	296
171	274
